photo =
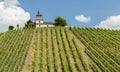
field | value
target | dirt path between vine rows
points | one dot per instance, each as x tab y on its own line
86	57
30	56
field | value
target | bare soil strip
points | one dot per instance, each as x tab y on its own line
51	51
39	50
45	51
86	57
70	53
30	56
57	51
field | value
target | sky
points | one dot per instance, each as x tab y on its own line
79	13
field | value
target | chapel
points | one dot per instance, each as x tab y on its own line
39	22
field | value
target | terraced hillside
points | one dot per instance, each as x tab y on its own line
60	50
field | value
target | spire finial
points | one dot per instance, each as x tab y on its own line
38	12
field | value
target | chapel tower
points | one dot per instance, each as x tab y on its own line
39	19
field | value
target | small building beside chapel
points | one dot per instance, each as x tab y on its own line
39	22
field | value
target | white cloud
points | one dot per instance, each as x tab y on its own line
112	22
12	14
83	18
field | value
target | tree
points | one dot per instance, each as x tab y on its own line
59	21
11	27
29	23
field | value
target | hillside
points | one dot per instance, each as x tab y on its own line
60	50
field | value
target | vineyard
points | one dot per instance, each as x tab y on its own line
102	46
1	35
14	46
60	50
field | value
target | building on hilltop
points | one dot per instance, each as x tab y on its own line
39	22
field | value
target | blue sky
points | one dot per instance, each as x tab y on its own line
98	10
81	13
